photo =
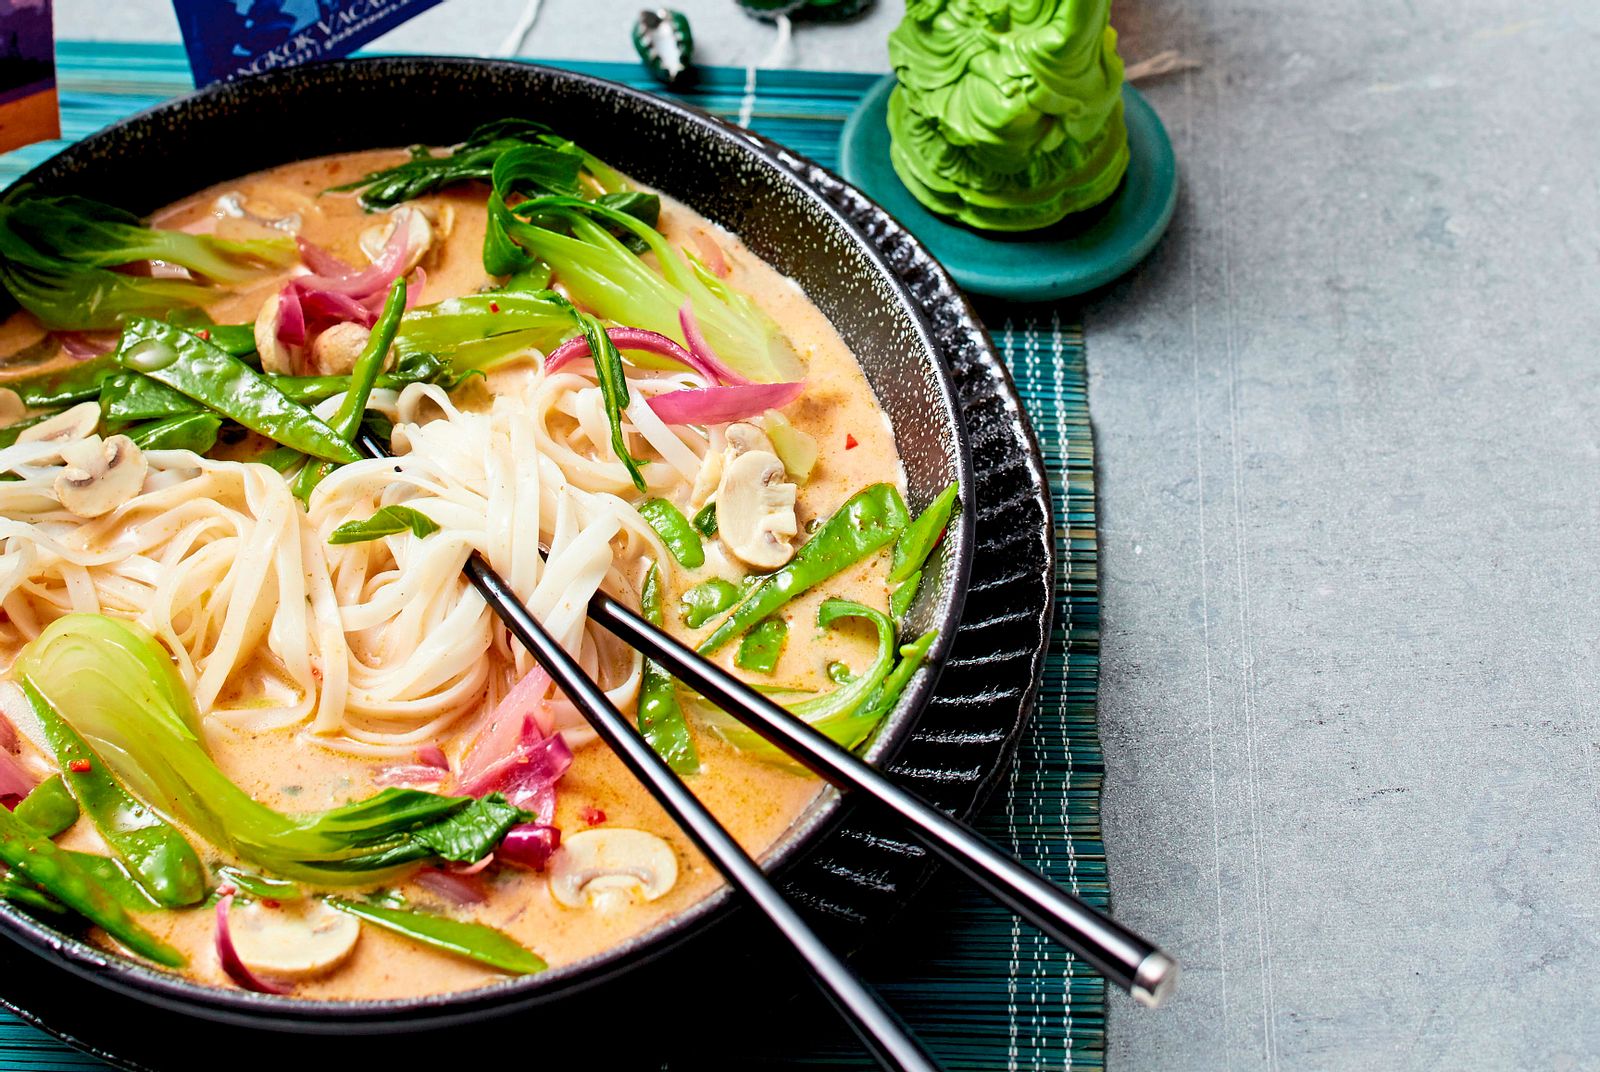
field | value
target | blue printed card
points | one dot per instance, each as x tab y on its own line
229	38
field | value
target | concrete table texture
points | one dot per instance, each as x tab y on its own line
1349	475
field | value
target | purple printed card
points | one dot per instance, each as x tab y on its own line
229	38
28	110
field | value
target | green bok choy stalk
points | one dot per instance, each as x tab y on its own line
114	684
57	256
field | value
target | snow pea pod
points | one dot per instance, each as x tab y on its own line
761	646
920	537
133	396
186	431
158	856
708	599
661	720
867	522
675	531
472	940
38	860
50	808
223	383
705	522
346	421
68	387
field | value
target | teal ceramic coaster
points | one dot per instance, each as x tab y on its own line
1080	253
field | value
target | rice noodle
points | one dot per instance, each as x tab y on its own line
373	648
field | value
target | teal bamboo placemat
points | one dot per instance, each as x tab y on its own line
990	993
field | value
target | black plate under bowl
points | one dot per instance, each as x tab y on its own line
930	363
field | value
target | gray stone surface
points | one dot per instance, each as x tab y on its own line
1350	492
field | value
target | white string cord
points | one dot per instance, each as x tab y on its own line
511	47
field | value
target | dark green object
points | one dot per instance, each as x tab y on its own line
223	383
1075	257
49	809
133	396
705	522
661	720
706	600
466	835
474	159
40	861
160	858
472	940
832	10
675	531
346	420
187	431
761	646
389	521
665	46
867	522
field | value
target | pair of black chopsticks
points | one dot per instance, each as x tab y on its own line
1129	961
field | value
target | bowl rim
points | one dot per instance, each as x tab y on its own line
174	991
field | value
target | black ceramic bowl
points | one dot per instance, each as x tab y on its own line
227	131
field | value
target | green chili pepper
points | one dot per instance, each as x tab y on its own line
901	598
261	886
164	863
868	520
705	522
50	808
223	383
473	940
661	720
346	421
66	387
920	537
706	600
188	431
675	531
38	860
761	646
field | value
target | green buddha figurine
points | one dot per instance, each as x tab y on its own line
1008	115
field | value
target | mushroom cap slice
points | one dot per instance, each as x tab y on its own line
275	356
610	867
296	940
419	236
100	475
744	437
335	350
78	422
755	510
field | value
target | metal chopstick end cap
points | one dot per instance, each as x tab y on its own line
1153	982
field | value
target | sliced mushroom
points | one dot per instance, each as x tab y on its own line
755	510
419	236
275	356
744	437
610	867
79	422
296	940
335	351
100	475
12	408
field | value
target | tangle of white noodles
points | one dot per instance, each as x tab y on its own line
379	646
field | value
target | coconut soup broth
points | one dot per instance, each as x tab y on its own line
757	800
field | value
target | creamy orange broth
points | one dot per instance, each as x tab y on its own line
756	800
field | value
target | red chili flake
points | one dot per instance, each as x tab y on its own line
494	307
270	903
850	442
204	333
81	766
593	816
